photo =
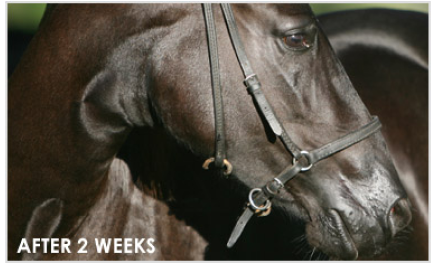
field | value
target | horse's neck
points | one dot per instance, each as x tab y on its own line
121	210
399	32
69	113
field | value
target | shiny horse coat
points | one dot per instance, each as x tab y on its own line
100	83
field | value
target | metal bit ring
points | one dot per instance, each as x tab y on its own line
265	206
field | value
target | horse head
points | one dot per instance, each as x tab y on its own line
353	202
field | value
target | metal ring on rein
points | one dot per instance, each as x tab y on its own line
228	166
264	207
306	155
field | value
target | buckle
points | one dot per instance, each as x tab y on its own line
248	78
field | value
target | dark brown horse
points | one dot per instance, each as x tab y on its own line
390	71
100	83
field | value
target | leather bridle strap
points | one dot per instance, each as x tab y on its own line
219	159
260	198
254	86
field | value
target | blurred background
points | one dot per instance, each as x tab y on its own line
23	21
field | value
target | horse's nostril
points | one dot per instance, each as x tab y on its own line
399	216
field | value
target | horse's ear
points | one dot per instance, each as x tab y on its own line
43	223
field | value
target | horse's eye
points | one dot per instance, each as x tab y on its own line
298	41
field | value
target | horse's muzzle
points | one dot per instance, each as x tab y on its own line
354	234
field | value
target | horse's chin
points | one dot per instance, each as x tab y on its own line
329	234
348	247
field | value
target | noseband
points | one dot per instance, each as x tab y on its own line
259	199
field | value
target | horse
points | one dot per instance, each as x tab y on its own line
113	110
390	73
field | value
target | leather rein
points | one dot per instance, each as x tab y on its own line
259	199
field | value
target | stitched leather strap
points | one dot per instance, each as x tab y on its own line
346	140
236	40
254	88
220	146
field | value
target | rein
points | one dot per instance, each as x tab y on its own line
259	199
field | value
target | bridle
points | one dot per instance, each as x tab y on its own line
259	199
